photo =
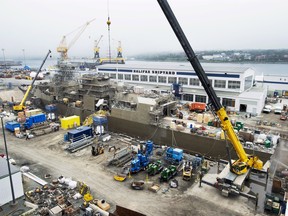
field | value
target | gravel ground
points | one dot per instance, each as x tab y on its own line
44	155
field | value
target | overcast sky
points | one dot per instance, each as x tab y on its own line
141	26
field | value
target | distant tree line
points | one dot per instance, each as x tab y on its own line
253	56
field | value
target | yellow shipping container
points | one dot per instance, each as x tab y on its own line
29	113
70	122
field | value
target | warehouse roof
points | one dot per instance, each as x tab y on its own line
4	168
174	66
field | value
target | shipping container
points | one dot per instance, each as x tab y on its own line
12	125
79	133
35	120
50	108
70	122
100	120
29	113
197	107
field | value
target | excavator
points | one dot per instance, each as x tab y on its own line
244	161
21	106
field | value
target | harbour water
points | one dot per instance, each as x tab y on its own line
265	69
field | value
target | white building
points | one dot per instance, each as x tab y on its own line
233	85
5	187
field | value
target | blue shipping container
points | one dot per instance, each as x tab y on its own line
12	125
50	108
99	120
79	133
35	119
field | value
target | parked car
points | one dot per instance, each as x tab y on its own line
283	116
278	110
267	109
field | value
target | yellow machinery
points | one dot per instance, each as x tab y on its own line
97	48
118	60
245	161
63	47
187	171
21	106
89	119
84	190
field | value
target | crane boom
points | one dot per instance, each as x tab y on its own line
63	47
245	161
21	106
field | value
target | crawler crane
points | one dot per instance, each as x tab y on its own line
21	106
231	179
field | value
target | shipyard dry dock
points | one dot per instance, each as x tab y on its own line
133	119
44	155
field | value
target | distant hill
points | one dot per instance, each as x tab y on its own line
253	56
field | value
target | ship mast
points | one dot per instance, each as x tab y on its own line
108	24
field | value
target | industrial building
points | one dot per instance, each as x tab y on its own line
5	187
234	86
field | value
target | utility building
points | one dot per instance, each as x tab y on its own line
5	187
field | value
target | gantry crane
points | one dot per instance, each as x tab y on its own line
97	48
63	47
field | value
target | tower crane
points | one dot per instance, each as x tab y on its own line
63	47
96	48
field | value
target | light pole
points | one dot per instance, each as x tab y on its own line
4	59
7	158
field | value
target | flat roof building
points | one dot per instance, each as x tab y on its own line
233	85
5	187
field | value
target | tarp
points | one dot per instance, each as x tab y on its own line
26	67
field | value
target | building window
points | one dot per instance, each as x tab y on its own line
220	83
152	78
248	82
162	79
144	78
172	79
127	76
135	77
194	82
120	76
233	84
200	98
183	81
188	97
228	102
211	82
113	75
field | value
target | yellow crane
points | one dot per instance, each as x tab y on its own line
21	106
63	47
244	161
97	48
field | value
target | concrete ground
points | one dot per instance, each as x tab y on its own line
45	155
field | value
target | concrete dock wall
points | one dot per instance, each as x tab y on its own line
188	142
